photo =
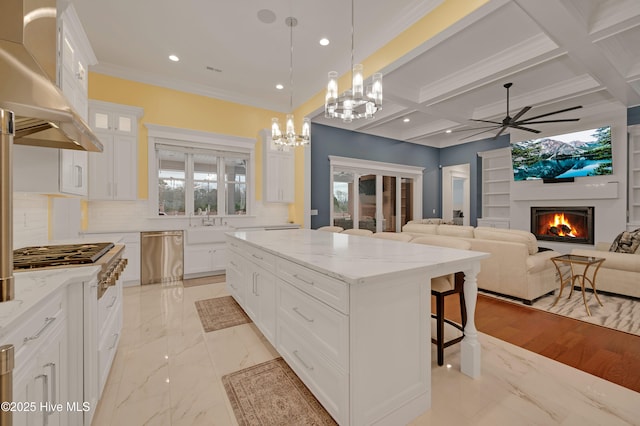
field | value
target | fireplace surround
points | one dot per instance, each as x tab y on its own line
563	224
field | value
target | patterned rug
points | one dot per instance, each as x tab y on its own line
220	312
213	279
271	394
619	313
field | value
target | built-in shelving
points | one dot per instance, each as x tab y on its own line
496	187
634	177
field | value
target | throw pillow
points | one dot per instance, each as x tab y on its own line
626	242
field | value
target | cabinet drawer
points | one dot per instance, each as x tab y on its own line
37	325
261	258
326	328
108	345
106	306
332	292
326	381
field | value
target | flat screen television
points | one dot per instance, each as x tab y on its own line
583	153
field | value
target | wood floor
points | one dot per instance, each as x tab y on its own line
610	354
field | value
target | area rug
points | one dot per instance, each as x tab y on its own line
618	313
271	394
220	312
213	279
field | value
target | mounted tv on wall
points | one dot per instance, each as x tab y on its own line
563	157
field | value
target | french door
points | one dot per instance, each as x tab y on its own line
377	200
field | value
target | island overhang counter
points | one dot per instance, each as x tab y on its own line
351	315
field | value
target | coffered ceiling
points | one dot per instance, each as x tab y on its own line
557	54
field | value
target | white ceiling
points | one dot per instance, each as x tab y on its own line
557	54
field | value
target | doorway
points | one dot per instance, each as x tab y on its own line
456	199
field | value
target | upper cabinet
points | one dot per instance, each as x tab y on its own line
74	57
113	173
279	172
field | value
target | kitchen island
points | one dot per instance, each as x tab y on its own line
351	315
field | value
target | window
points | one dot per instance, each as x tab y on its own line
198	173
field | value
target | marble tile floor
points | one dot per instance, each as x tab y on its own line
167	371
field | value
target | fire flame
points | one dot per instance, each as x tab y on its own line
561	226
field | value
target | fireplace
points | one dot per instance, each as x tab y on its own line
563	224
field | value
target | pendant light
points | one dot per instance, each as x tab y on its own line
290	137
359	102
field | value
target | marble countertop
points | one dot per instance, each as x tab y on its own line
32	287
354	259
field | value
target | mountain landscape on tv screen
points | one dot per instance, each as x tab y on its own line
585	153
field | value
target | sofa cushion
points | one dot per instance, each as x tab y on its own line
442	241
626	242
456	231
420	228
512	235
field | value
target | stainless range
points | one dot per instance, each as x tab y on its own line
107	255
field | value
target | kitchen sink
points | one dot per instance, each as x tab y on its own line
207	234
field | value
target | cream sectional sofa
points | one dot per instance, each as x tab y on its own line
515	268
620	272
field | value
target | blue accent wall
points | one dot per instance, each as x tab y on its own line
633	115
328	141
468	153
344	143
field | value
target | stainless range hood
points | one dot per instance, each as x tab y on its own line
28	57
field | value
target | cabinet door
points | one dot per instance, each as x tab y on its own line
73	172
265	287
236	282
52	362
28	386
132	254
251	302
279	177
101	170
218	257
125	170
197	258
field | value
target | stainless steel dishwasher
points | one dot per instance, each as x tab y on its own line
161	257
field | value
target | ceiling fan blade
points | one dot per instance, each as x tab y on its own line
522	112
500	132
488	121
476	128
554	112
546	121
475	134
525	128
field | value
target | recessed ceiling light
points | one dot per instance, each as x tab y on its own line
174	58
448	131
324	42
406	120
279	86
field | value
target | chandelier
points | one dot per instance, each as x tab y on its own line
290	137
357	102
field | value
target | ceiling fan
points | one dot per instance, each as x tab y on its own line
515	122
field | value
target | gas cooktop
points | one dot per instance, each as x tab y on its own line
58	255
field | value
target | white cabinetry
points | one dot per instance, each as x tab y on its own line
113	174
634	177
496	186
41	375
49	171
204	258
75	55
131	274
279	172
253	276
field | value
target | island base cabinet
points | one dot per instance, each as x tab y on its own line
326	381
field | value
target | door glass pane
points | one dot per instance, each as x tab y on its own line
389	203
171	182
236	185
205	184
406	201
101	120
367	201
124	124
343	199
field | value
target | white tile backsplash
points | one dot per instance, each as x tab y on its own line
30	219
